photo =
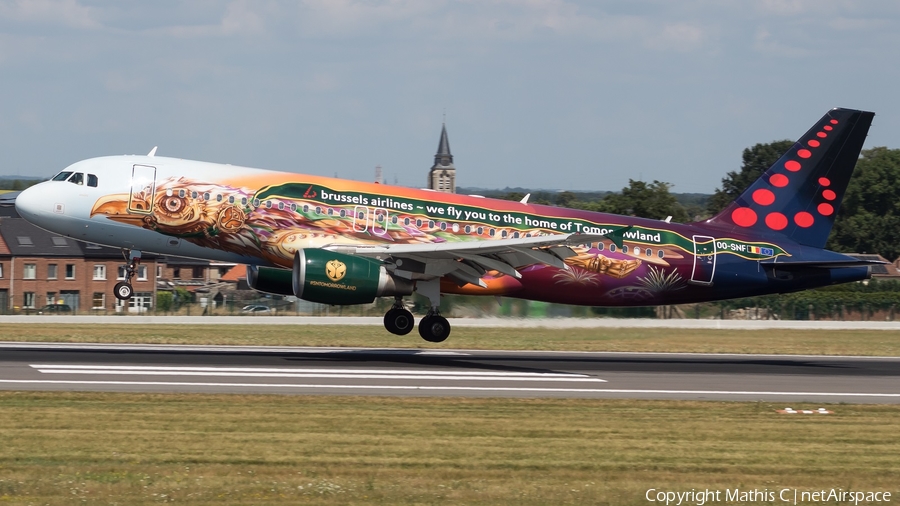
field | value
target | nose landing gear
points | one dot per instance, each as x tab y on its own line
123	289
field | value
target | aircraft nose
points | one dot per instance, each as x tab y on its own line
34	203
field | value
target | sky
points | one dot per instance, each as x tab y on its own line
551	94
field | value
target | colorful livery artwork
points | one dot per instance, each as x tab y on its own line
298	231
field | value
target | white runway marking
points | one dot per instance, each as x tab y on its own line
270	372
454	388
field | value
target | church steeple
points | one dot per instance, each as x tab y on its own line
442	176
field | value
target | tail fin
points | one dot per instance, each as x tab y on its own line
799	196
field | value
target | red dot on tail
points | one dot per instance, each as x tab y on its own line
824	181
779	180
763	197
829	195
828	127
825	209
814	143
792	165
804	219
776	221
804	153
834	122
821	135
744	217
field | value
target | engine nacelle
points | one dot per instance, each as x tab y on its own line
335	278
270	280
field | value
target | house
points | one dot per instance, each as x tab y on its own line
38	268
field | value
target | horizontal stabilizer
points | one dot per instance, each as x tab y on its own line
822	264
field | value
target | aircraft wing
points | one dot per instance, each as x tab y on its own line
467	262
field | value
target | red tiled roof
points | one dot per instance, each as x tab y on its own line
236	273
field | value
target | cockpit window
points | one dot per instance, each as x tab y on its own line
77	178
92	180
62	176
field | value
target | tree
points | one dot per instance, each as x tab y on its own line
756	161
869	217
645	200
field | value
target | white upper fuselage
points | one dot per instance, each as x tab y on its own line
64	207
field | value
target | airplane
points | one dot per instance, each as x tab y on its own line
343	242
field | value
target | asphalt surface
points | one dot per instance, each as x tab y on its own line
502	322
469	373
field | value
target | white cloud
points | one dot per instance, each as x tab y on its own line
765	42
53	12
678	37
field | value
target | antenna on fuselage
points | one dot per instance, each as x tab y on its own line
152	151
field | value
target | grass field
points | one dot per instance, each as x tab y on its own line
814	342
93	448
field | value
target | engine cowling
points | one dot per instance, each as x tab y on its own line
335	278
270	280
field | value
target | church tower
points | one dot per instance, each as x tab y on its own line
442	176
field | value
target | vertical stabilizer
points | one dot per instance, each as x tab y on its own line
800	194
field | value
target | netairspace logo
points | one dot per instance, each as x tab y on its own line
784	496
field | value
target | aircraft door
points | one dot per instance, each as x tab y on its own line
360	218
143	189
704	260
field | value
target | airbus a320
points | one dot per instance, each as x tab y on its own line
340	242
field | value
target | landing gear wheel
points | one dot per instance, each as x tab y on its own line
434	328
123	291
399	321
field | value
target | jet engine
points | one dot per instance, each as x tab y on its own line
270	280
335	278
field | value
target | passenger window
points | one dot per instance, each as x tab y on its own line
92	180
218	197
612	248
661	253
600	246
492	232
231	199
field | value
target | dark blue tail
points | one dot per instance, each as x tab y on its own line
800	195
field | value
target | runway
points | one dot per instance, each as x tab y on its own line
469	373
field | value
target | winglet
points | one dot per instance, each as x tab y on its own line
617	235
152	151
525	198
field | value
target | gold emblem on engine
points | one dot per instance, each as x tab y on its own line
335	270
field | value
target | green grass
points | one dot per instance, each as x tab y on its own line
105	448
814	342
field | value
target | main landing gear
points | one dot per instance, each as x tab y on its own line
123	289
398	320
433	328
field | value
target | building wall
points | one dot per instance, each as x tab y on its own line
83	283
